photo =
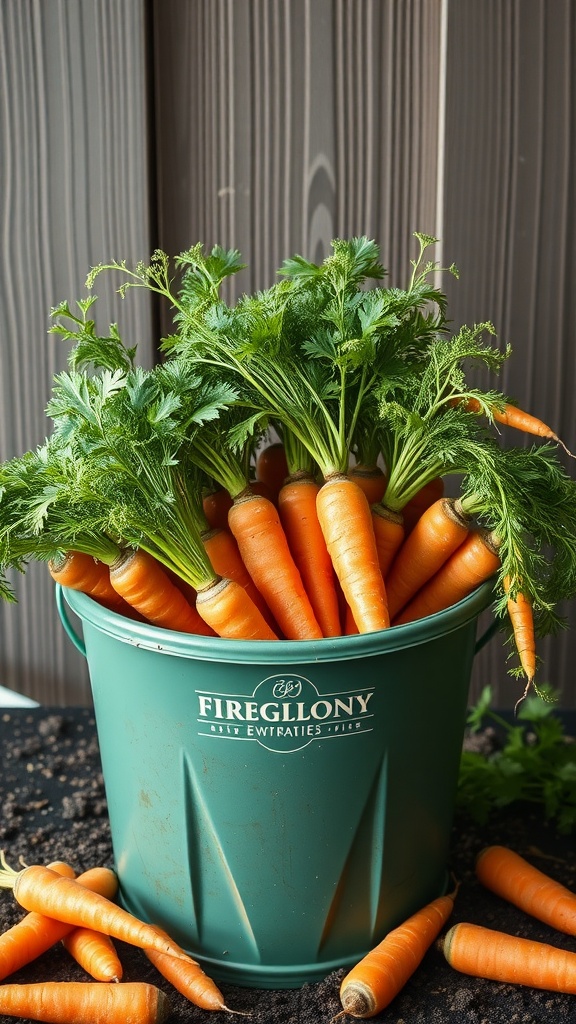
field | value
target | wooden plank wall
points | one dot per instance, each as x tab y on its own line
274	126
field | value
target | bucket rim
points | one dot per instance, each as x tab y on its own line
273	652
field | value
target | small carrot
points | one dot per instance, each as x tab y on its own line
509	959
95	952
514	879
272	467
79	1002
225	559
146	586
299	518
371	479
36	932
522	620
345	519
189	980
216	505
512	416
375	981
80	571
426	496
39	889
474	562
229	610
255	523
388	527
440	530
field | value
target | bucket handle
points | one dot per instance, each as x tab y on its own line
62	612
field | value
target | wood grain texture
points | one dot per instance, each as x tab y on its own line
73	192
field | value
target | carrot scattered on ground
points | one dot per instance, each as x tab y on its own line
146	586
95	953
374	982
474	562
189	979
514	879
497	956
39	889
440	530
90	1002
79	571
255	523
299	518
35	933
346	522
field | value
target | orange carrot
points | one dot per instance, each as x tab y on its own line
522	620
272	467
514	879
255	523
375	981
371	479
79	1002
388	528
426	496
299	517
511	416
95	952
440	530
36	933
496	956
474	562
229	610
79	571
225	559
346	522
189	980
350	627
39	889
216	505
146	586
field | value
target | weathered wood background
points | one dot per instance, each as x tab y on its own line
274	126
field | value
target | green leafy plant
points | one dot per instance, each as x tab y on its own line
534	763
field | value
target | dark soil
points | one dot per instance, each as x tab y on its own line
54	807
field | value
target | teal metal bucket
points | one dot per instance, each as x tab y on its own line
277	807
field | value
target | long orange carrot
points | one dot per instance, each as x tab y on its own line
79	1002
146	586
36	932
272	467
79	571
512	416
375	981
474	562
229	610
216	505
514	879
299	517
371	479
225	558
522	620
438	533
189	979
388	527
426	496
95	952
255	523
496	956
39	889
346	522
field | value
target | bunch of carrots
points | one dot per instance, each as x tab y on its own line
282	473
372	984
80	912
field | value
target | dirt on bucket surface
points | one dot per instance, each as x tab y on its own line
53	807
